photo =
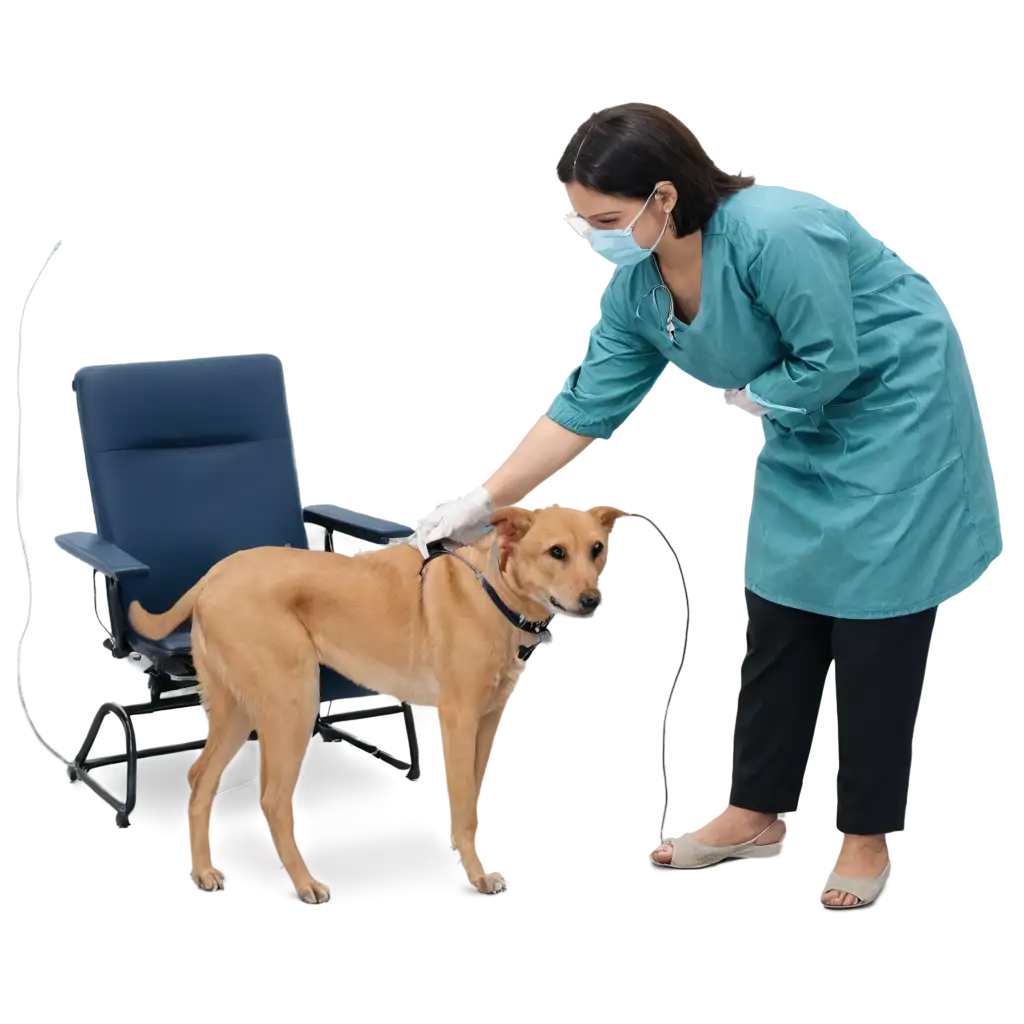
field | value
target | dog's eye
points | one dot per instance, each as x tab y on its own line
596	549
557	552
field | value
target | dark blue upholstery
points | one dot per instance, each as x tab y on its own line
188	462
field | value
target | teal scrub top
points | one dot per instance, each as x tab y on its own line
873	493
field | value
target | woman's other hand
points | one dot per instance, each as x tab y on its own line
739	398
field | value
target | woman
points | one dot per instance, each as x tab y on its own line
873	496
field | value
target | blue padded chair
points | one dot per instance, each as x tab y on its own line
188	462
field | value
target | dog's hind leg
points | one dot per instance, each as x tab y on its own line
229	727
287	713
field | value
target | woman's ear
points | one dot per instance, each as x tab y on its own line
668	196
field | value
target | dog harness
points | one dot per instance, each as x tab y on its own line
535	626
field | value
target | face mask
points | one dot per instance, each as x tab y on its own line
619	245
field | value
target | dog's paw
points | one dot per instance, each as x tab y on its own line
209	879
314	892
491	884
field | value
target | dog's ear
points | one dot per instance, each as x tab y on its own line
512	523
606	515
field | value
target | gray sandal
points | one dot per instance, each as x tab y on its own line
865	889
688	854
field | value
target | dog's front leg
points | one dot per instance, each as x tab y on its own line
485	732
459	727
484	740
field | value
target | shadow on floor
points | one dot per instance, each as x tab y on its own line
335	776
352	867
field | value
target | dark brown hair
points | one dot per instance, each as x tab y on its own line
626	150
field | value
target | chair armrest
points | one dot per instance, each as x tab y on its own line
102	556
355	524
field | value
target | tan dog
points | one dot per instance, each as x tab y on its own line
263	620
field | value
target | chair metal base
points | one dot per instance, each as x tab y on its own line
125	711
82	764
325	727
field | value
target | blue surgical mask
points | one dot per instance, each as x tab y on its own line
618	244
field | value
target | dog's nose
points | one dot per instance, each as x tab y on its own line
588	602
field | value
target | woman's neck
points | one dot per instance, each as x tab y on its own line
680	256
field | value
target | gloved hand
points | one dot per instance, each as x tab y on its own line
463	520
739	398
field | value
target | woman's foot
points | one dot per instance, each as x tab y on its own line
732	827
860	857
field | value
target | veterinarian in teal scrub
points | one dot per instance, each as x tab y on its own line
873	496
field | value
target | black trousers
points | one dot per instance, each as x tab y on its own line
880	665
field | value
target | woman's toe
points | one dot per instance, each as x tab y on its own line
663	854
835	898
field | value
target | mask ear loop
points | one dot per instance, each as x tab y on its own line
670	323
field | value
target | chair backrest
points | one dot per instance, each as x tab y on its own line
188	462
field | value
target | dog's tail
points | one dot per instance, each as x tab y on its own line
156	627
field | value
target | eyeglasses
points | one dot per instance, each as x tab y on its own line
576	222
582	228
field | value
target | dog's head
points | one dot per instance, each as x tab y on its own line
555	555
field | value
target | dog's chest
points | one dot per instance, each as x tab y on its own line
504	684
424	689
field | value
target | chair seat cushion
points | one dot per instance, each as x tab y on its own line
178	645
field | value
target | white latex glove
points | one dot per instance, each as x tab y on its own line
739	398
463	520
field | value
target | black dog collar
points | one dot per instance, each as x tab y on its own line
537	627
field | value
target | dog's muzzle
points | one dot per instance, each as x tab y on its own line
588	604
